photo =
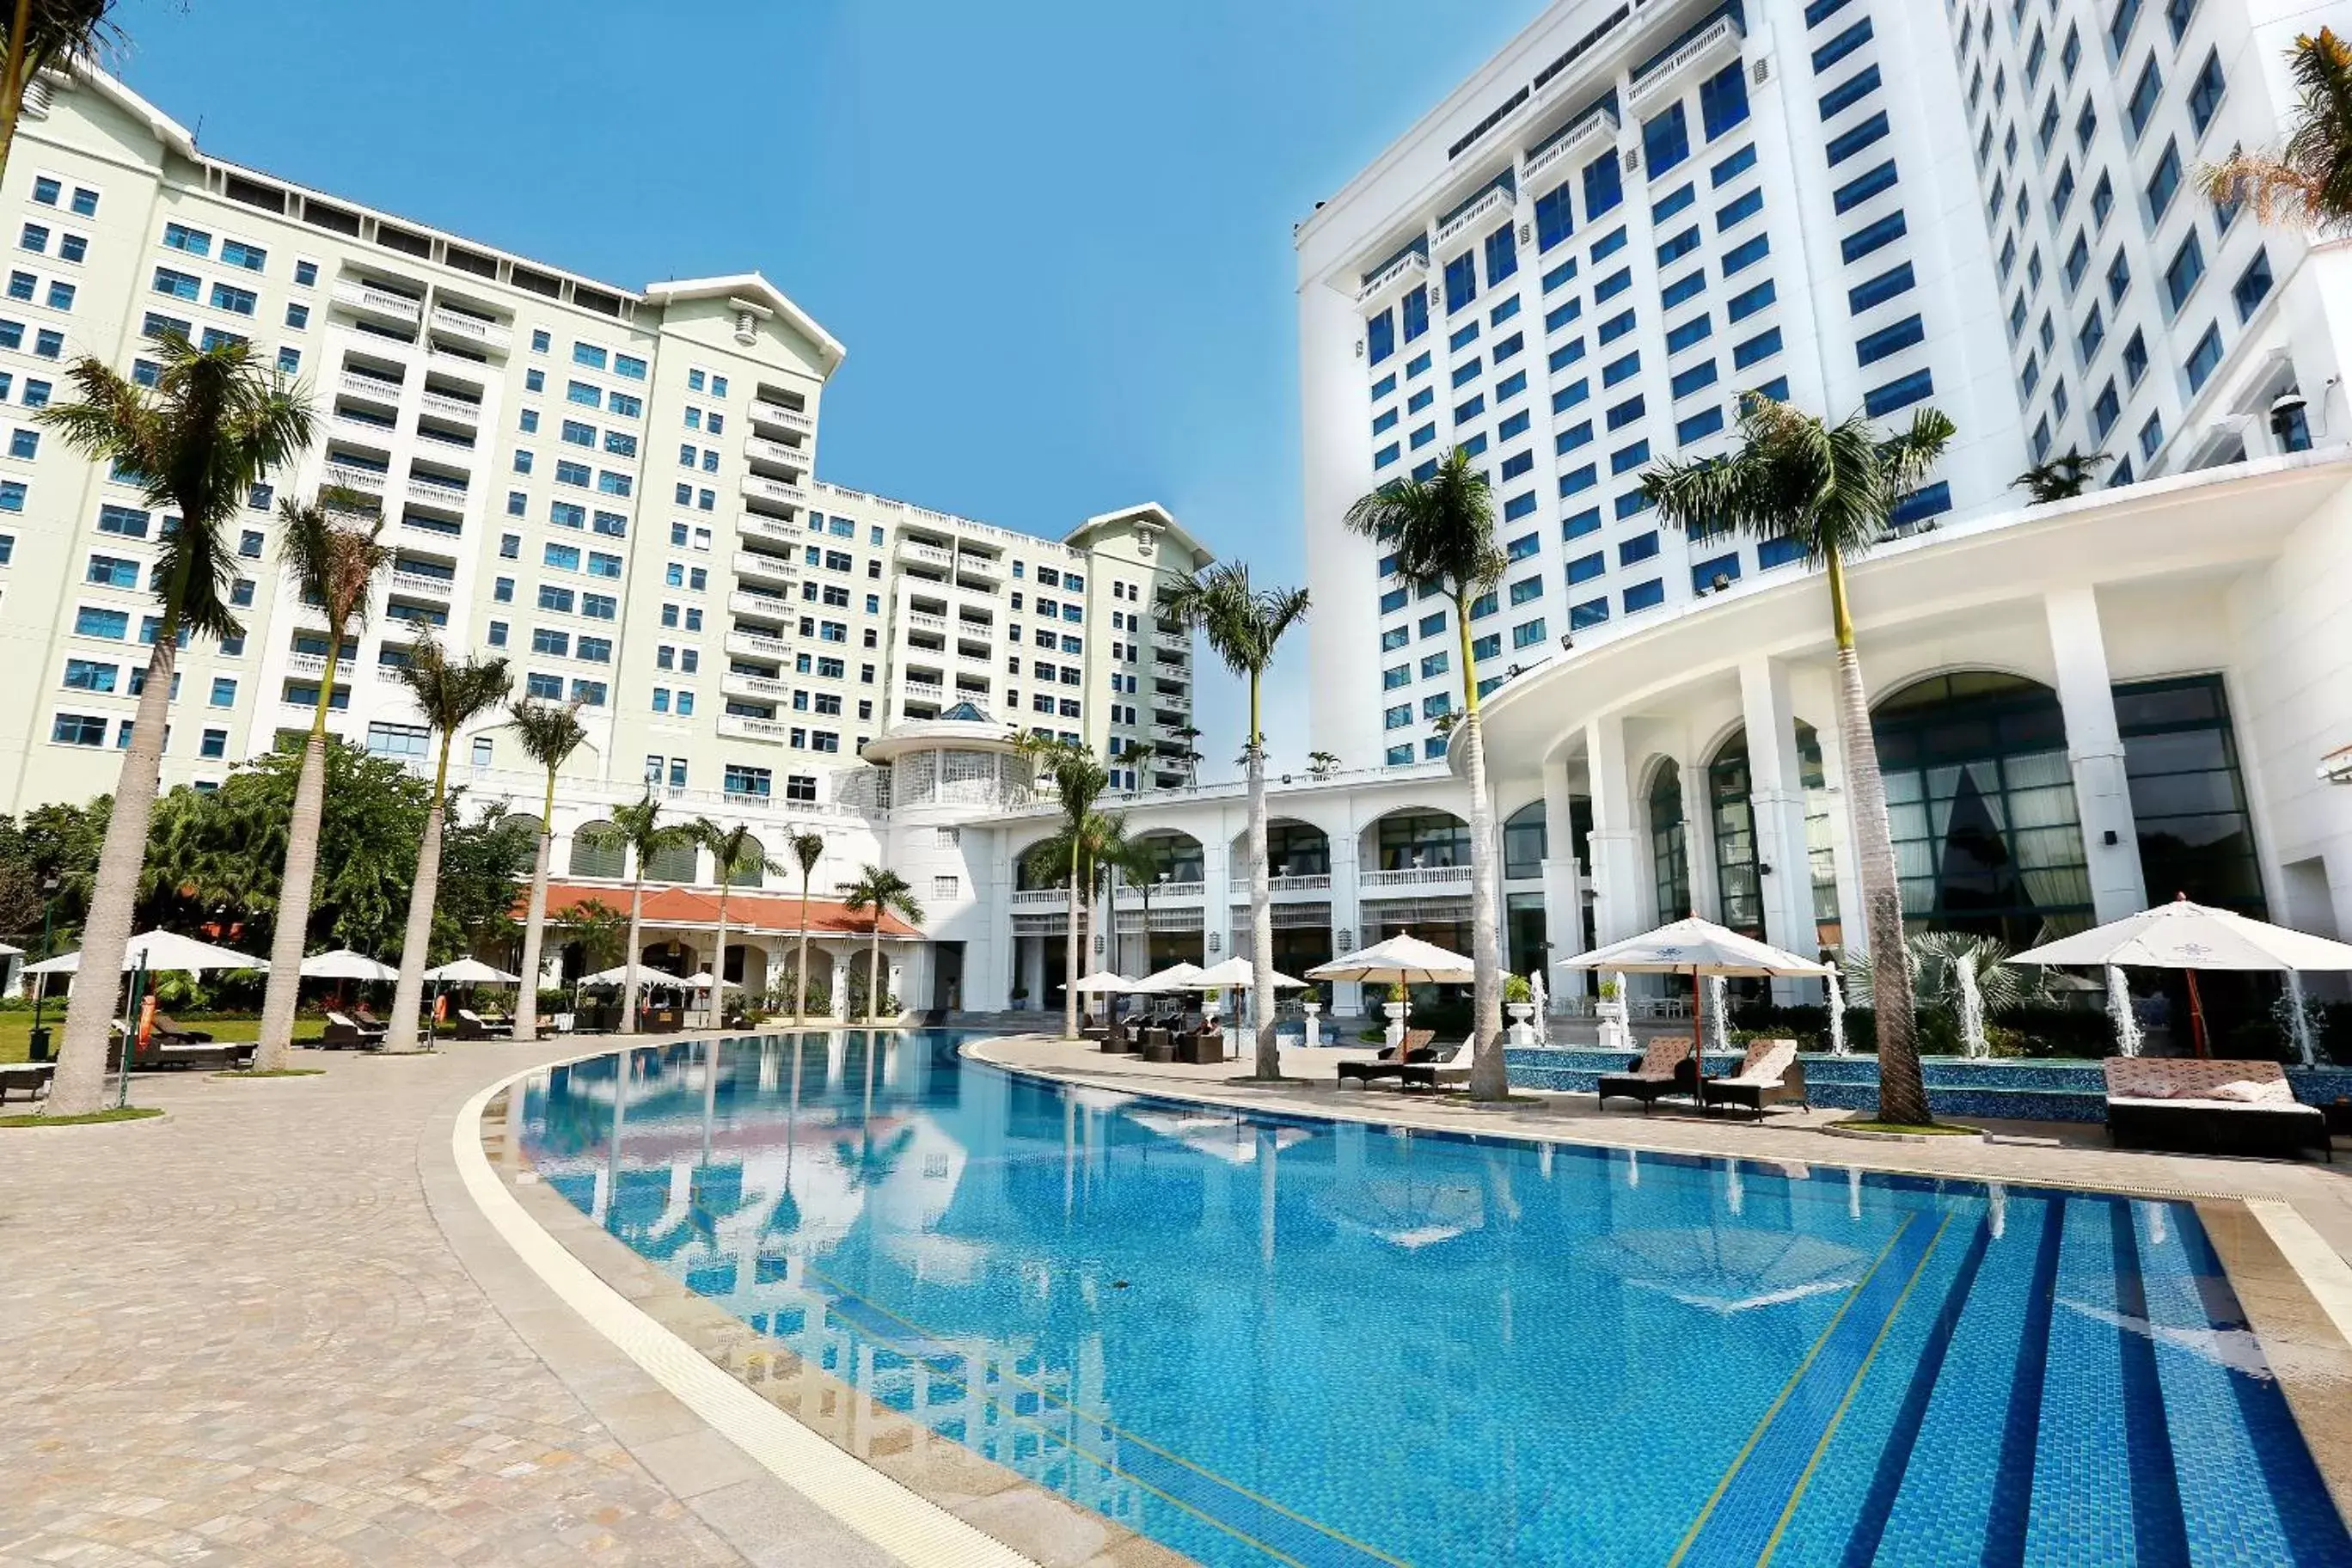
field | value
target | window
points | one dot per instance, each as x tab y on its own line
1849	93
2205	93
1665	141
2151	436
2136	358
2105	409
2118	278
1762	346
2164	183
177	285
1872	236
79	730
2182	274
1846	143
84	202
2205	358
2092	334
1886	341
1899	393
2119	25
1722	101
2103	201
2145	93
92	622
1746	254
1461	281
1682	289
1886	285
1645	596
1862	187
238	302
1840	46
2254	287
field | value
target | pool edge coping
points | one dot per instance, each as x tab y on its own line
885	1513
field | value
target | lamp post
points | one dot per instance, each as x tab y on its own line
39	1049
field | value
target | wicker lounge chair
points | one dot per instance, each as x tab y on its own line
1665	1068
167	1031
2204	1107
472	1026
1769	1074
1200	1047
31	1079
1409	1063
345	1032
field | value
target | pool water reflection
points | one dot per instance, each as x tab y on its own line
1272	1341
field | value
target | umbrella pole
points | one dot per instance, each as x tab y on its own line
2197	1015
1698	1040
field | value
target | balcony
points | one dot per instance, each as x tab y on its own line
775	413
1417	877
766	567
1407	271
1700	55
1041	899
1314	884
928	555
368	299
752	645
471	329
2335	767
352	476
375	388
310	664
758	688
426	490
925	691
1497	201
420	582
766	607
449	407
757	489
735	726
1596	128
751	523
1131	894
987	566
924	621
762	451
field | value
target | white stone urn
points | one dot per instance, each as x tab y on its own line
1314	1011
1521	1032
1616	1034
1395	1012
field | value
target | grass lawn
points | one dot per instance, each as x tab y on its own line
17	1030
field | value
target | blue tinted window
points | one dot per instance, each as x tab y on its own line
1665	141
1873	237
1722	99
1591	613
1762	346
1898	393
1585	568
1879	289
1699	425
1560	275
1461	281
1677	247
1746	254
1562	315
1696	377
1575	435
1690	286
1583	523
1501	255
1603	186
1555	219
1840	46
1862	187
1846	143
1694	331
1625	414
1643	595
1731	168
1568	396
1928	500
1379	336
1672	202
1849	93
1738	210
1889	340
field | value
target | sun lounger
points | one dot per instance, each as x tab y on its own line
1418	1063
472	1026
198	1057
1769	1074
345	1032
2204	1107
1665	1068
168	1031
1119	1040
1200	1047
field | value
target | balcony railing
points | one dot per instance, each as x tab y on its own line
753	644
374	386
766	413
489	334
762	686
773	607
770	527
306	664
422	583
1416	877
1131	894
742	727
924	621
757	487
1412	267
1041	898
1497	200
1314	884
435	491
453	407
1598	124
980	565
379	301
761	449
758	563
926	690
352	476
933	555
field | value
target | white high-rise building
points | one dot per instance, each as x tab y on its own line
612	487
1635	212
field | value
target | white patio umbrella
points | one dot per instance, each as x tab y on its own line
1402	960
1105	983
1696	947
470	972
2186	936
1236	973
620	976
160	952
702	982
344	964
1175	978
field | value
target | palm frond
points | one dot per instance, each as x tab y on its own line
451	695
550	731
1441	529
2307	180
878	892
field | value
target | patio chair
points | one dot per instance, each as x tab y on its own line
1120	1039
367	1020
348	1034
1769	1074
1419	1051
471	1026
32	1077
2209	1107
1200	1047
167	1031
1158	1044
1665	1068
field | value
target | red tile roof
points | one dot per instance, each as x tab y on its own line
775	914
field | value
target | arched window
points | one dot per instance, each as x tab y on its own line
1737	865
1981	799
590	858
748	872
1527	840
1179	855
1409	839
1292	850
1669	843
679	863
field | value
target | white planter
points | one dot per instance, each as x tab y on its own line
1521	1032
1615	1034
1314	1011
1395	1011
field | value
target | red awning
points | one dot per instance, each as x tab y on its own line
755	912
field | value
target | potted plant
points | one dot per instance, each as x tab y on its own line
1310	1002
1021	999
1520	1001
1322	764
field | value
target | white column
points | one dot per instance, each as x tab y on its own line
1217	861
1616	843
840	986
1347	909
1854	930
1698	841
1563	889
893	975
2095	750
1776	797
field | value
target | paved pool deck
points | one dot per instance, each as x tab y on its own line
275	1327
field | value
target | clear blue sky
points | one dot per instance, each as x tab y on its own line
1054	234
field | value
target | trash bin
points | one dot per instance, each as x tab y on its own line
39	1051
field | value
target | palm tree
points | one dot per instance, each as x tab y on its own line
550	732
1243	625
1830	489
42	34
879	891
1136	862
808	850
1078	782
733	851
334	566
2061	477
1440	531
196	443
639	830
1081	854
450	696
2308	180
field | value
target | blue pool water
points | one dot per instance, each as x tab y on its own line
1267	1342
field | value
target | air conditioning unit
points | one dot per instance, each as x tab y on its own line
1761	71
1633	158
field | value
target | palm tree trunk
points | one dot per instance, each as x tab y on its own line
295	886
1070	962
873	974
17	75
1489	1077
719	964
79	1087
534	929
1902	1091
1269	1054
408	994
636	940
800	960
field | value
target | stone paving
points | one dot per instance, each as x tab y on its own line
238	1334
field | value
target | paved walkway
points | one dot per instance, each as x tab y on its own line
242	1334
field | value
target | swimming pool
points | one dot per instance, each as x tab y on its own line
1290	1343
